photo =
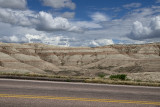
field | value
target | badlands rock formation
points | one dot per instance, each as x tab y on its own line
82	61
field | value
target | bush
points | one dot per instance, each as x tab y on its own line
119	76
101	74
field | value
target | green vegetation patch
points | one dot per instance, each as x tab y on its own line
101	74
118	76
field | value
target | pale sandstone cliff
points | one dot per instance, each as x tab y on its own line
81	61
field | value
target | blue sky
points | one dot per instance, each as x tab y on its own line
80	22
84	7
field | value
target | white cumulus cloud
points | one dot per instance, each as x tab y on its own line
47	23
13	4
15	17
65	41
100	42
141	25
14	39
42	38
144	32
58	4
42	21
99	17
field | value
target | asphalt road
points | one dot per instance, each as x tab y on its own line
31	93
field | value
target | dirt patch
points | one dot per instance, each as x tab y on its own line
69	73
102	67
130	69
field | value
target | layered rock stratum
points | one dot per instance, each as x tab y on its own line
137	61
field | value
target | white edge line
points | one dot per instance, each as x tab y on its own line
93	84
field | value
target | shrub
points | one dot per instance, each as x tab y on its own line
101	74
118	76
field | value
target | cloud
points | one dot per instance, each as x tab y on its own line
132	5
15	17
120	29
68	15
158	1
42	21
145	32
139	31
35	38
141	25
13	39
100	42
91	42
99	17
47	23
42	38
64	41
58	4
55	40
114	9
13	4
87	25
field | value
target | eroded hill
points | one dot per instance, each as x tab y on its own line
137	61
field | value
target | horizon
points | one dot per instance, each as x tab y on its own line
82	46
80	23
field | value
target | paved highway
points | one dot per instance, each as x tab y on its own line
31	93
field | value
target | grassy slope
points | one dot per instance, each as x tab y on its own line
77	79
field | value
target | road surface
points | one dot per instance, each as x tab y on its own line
32	93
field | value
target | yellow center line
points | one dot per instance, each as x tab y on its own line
79	99
13	95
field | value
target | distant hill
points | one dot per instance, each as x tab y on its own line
137	61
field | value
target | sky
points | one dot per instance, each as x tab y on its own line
80	22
